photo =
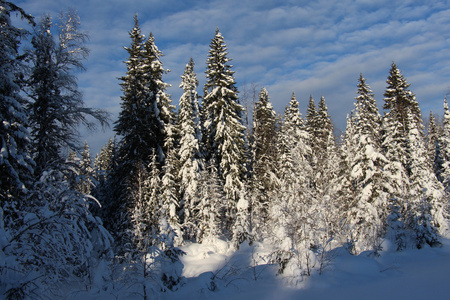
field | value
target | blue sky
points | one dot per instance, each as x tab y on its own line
316	48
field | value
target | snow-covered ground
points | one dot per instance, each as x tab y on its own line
216	271
213	271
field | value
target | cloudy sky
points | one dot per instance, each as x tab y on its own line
316	48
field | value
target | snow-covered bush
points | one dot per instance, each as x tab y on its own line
54	239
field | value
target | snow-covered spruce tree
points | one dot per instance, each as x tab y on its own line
264	157
104	169
323	133
146	107
104	161
242	230
85	183
367	211
293	147
424	205
146	208
322	143
170	235
324	159
444	158
212	205
56	105
311	127
325	207
396	182
143	121
72	173
433	145
155	227
191	162
141	249
398	98
346	191
170	203
224	131
291	225
16	164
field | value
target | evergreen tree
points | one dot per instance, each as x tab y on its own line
145	121
56	105
86	172
16	163
264	159
139	122
170	203
224	131
434	146
292	224
367	211
72	173
444	158
156	89
311	127
396	181
104	162
144	216
425	193
423	204
191	162
325	206
321	141
241	227
212	205
324	128
347	189
294	169
398	99
324	152
104	169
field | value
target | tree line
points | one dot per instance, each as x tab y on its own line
199	173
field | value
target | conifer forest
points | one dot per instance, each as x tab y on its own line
204	169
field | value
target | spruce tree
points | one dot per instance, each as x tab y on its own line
139	121
367	211
264	159
324	150
86	172
191	161
398	99
104	161
291	222
16	163
396	180
211	207
311	127
294	150
424	205
433	145
170	203
224	131
145	121
444	158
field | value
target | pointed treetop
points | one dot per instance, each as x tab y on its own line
136	20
